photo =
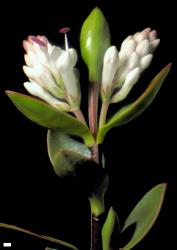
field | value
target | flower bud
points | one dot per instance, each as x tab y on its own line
143	48
36	90
110	64
94	40
145	61
130	80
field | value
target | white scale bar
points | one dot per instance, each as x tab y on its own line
7	244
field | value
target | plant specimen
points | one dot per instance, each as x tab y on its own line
53	81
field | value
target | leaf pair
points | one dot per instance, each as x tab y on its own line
143	215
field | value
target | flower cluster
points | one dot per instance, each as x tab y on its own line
54	78
51	72
121	70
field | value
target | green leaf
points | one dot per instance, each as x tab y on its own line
48	238
49	117
131	111
64	152
48	248
108	228
145	214
96	198
103	160
94	40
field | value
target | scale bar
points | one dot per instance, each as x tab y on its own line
7	244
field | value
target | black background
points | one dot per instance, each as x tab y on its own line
139	155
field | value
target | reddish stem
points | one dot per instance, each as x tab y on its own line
93	107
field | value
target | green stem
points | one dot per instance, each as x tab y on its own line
103	114
93	124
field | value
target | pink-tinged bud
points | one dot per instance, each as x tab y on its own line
43	39
64	30
30	37
38	41
26	45
143	35
147	30
143	48
153	35
155	44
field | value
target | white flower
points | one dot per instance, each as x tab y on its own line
135	55
51	72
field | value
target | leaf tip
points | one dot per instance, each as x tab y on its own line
96	9
8	92
169	65
164	186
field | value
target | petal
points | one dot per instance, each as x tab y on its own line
126	39
143	48
73	56
32	57
145	61
77	73
136	34
64	63
154	44
128	46
50	48
143	35
126	64
55	53
132	76
27	61
43	77
70	82
152	35
36	90
43	39
130	80
133	61
67	60
42	57
26	45
38	68
29	72
147	30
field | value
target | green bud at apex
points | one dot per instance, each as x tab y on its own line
94	40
